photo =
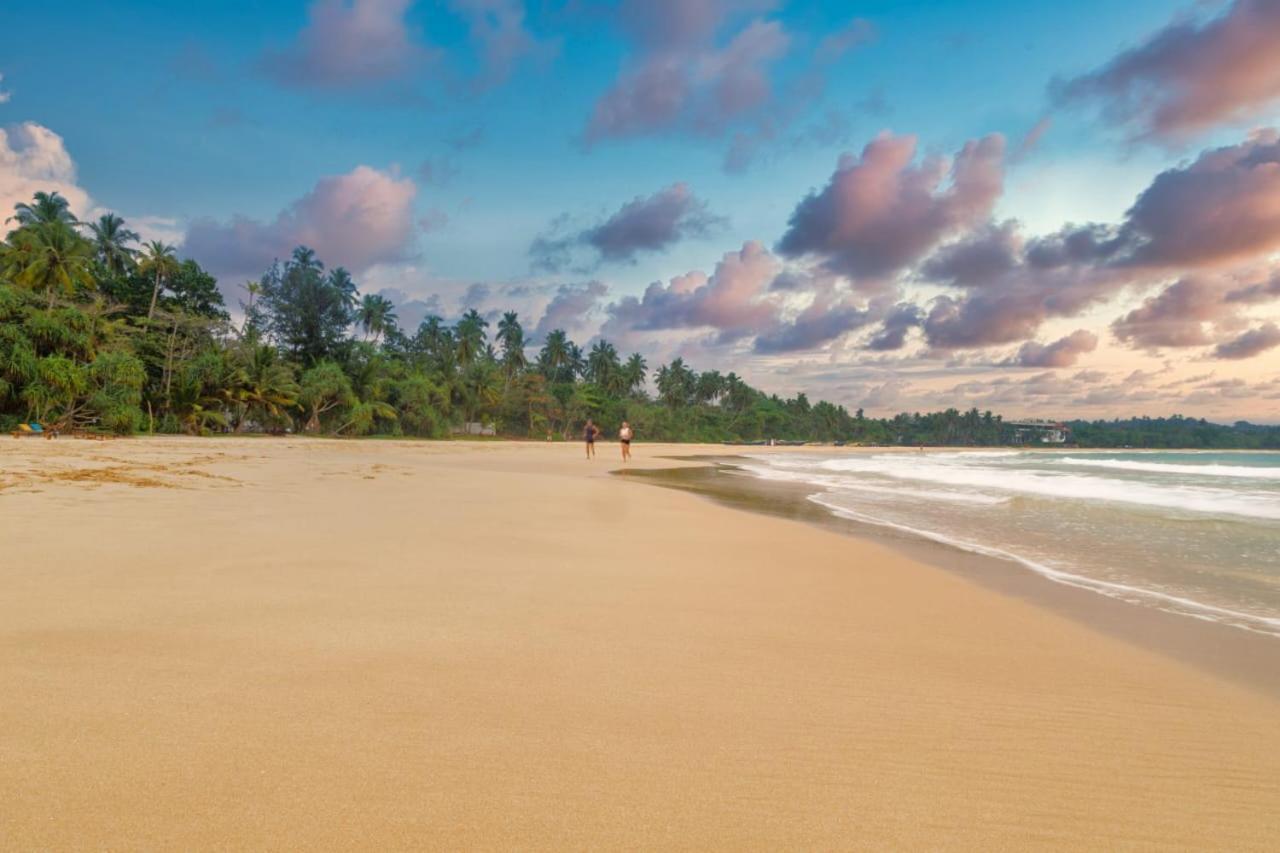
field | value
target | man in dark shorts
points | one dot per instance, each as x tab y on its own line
589	433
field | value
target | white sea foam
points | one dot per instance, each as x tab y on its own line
830	481
1211	470
1207	548
1125	592
952	471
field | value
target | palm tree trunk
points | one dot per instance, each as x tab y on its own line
155	296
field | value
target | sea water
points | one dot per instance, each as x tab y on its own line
1197	533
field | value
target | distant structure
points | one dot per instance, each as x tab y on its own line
474	428
1031	430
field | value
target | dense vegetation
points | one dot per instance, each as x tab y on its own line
1176	431
99	333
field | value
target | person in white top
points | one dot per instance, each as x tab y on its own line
624	437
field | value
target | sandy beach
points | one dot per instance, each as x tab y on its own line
287	644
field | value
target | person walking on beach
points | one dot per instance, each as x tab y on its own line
624	438
589	433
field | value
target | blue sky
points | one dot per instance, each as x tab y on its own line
174	114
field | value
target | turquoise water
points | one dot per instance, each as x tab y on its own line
1196	533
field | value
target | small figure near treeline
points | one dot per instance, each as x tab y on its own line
624	438
589	433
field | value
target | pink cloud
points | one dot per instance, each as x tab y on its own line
1191	75
1063	352
356	220
1222	208
679	78
348	44
35	159
733	301
1178	316
498	30
882	212
1250	343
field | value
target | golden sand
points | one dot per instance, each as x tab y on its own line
315	644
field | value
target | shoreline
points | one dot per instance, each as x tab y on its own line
1244	656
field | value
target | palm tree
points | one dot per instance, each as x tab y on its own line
45	209
51	257
554	358
634	373
603	367
340	280
511	336
161	264
471	337
376	315
110	240
269	387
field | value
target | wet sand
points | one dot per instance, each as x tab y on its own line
275	644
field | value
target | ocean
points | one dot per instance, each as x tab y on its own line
1195	533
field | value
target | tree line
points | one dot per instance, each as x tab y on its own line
99	331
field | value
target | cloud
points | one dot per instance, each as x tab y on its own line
644	224
569	308
1250	343
1220	208
4	94
497	29
826	319
734	301
679	77
356	220
1190	75
836	44
348	44
35	159
1203	217
411	310
1176	317
1011	286
881	212
1061	353
893	332
1032	140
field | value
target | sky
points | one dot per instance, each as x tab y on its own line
1043	209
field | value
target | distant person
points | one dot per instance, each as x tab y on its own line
624	438
589	433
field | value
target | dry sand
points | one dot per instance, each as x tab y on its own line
284	644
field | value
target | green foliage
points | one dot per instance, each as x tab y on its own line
96	334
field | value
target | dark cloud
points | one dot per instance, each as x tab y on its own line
1190	75
897	324
825	320
1250	343
881	212
1263	291
644	224
1061	353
